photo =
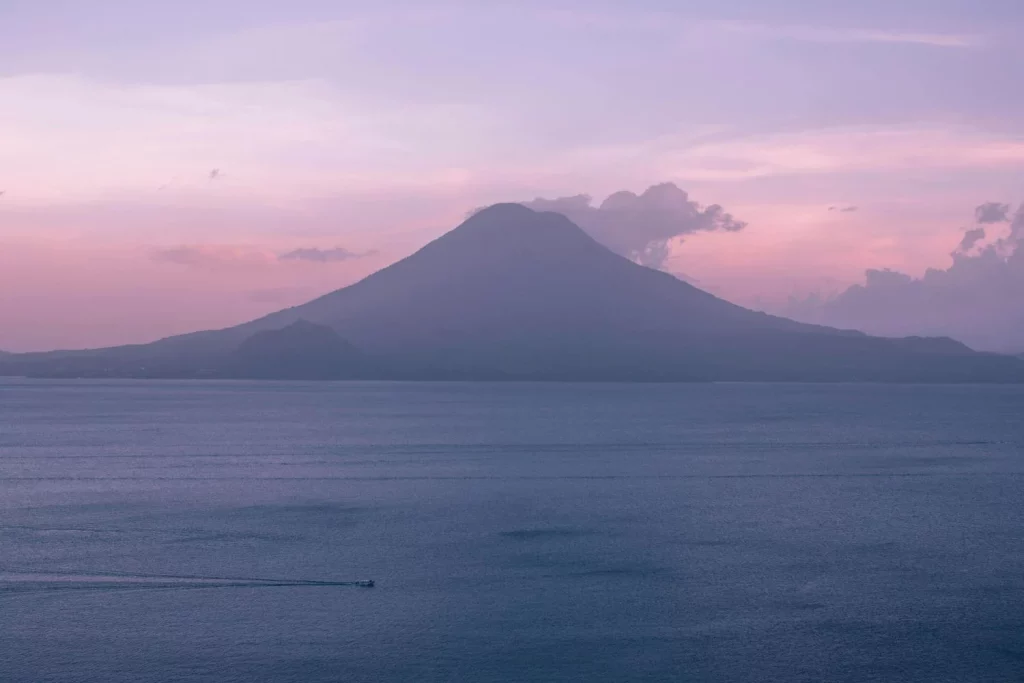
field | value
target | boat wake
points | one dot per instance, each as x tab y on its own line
33	582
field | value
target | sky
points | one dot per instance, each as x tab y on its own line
168	167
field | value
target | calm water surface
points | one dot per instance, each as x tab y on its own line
516	532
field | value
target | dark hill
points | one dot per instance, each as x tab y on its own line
301	350
516	294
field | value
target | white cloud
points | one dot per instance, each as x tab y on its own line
642	227
975	300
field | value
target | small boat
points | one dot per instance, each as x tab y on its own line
365	584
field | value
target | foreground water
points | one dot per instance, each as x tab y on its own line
174	531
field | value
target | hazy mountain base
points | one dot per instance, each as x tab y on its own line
319	353
513	294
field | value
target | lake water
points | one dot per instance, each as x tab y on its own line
516	532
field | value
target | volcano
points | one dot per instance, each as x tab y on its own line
515	294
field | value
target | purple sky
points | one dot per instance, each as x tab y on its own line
344	135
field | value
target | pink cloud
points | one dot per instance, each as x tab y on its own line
215	256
